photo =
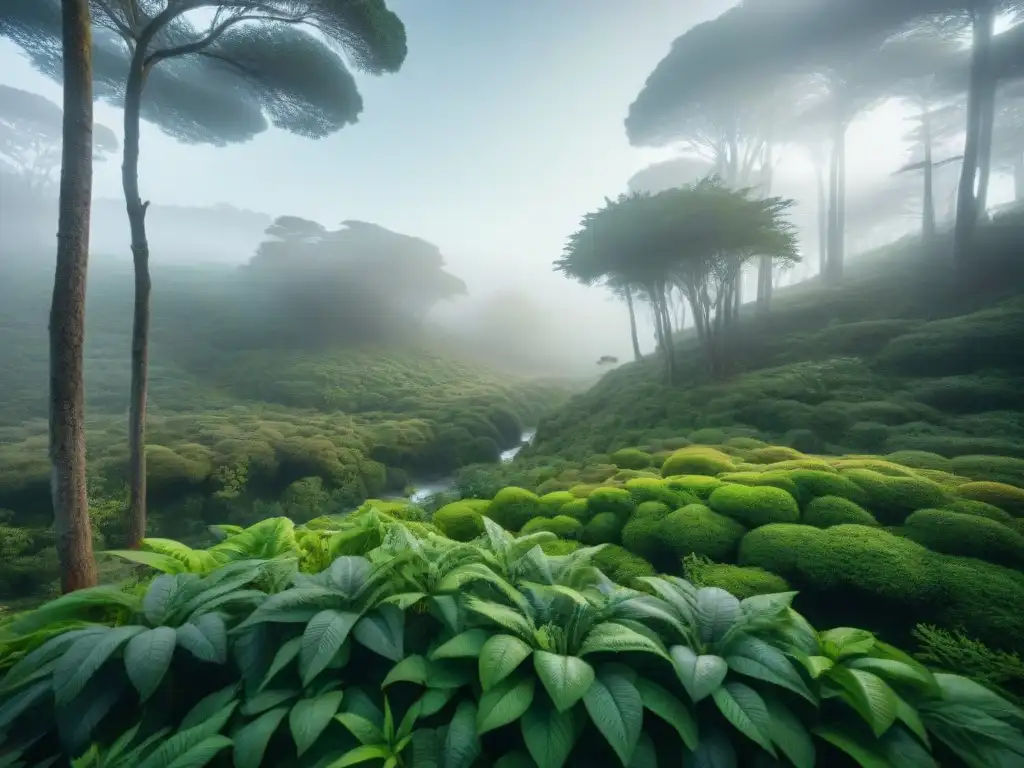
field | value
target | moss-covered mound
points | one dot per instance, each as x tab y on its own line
754	506
826	511
943	530
462	520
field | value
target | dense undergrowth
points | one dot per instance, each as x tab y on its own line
234	434
370	640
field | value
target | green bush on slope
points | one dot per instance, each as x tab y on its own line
697	461
695	529
1007	497
614	501
826	511
942	530
512	507
754	506
891	499
561	525
461	520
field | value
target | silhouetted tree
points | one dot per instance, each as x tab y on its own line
67	310
216	82
30	138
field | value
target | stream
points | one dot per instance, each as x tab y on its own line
427	488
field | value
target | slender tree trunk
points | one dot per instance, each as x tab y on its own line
987	125
764	267
1018	178
833	205
140	320
928	201
967	197
823	221
660	315
840	263
67	310
637	356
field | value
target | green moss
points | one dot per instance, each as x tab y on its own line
695	529
460	520
641	535
645	489
616	501
603	528
826	511
559	547
921	460
512	507
654	509
700	486
1006	497
981	509
812	483
563	526
754	506
952	533
623	567
552	503
891	499
742	582
631	458
697	460
745	443
578	510
819	465
583	490
774	479
996	469
773	454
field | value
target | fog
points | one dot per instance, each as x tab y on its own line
502	129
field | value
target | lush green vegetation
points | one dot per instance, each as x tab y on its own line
372	640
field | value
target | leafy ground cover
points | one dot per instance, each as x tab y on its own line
375	640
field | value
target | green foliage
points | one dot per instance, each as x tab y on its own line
754	506
419	650
699	485
695	529
957	653
461	520
631	458
1007	497
891	499
563	526
603	528
643	489
736	580
943	530
812	483
613	501
552	503
512	507
826	511
696	461
578	509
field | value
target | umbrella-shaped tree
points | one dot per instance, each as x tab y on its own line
212	71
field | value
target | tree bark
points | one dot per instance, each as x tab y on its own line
928	227
637	356
967	197
67	310
140	320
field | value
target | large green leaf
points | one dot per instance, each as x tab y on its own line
206	639
202	753
504	703
265	700
909	716
84	658
411	669
869	695
309	717
668	708
297	605
349	573
252	739
383	632
22	701
616	638
517	759
465	645
192	747
159	600
501	615
461	745
321	640
714	751
361	727
499	658
789	734
865	751
645	755
161	562
616	708
565	678
549	735
211	707
700	675
147	657
361	755
717	612
40	662
74	606
285	655
745	709
753	657
914	676
844	642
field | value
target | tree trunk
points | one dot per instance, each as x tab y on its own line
840	256
967	197
833	204
637	356
665	332
987	124
1018	178
764	267
67	310
140	320
928	201
823	221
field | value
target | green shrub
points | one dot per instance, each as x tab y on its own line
645	489
578	510
773	454
745	443
603	528
959	654
774	479
552	503
995	469
615	501
700	486
735	579
1006	497
867	436
461	520
812	483
512	507
654	509
583	490
641	536
708	436
697	460
631	458
891	499
921	460
695	529
754	506
559	547
826	511
804	440
623	567
563	526
818	465
952	533
980	509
